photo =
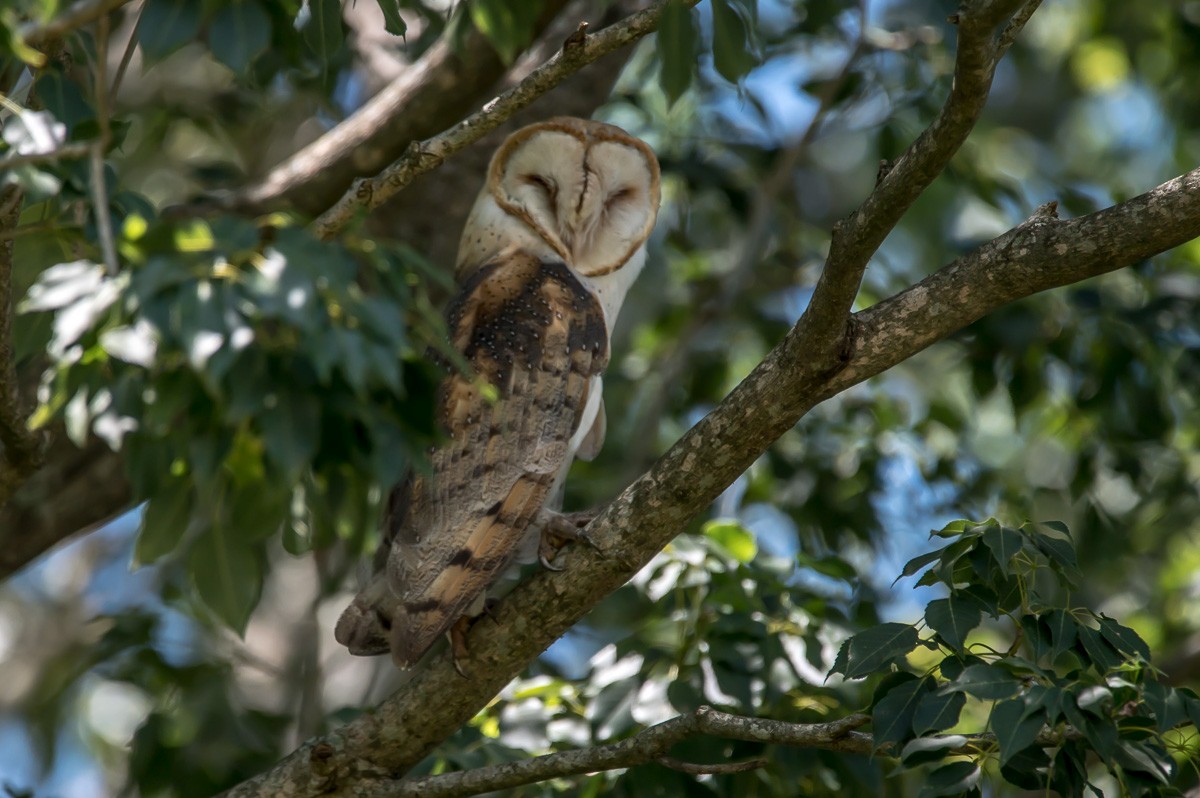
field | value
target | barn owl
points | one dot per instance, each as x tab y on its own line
555	239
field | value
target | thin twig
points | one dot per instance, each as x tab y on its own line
423	156
1014	27
126	56
108	246
78	149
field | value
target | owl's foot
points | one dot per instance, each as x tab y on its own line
458	643
559	529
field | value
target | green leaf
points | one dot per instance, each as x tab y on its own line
1061	554
507	25
1095	649
952	779
1138	756
227	575
732	54
257	511
166	25
1037	636
1004	544
323	33
1047	700
291	430
733	537
676	42
1063	630
1026	768
1016	727
1168	705
930	749
919	562
1123	638
892	716
953	619
239	32
869	651
986	681
829	565
393	23
164	522
938	711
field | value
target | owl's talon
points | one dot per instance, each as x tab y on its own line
458	644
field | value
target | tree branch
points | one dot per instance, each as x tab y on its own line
644	747
423	156
20	449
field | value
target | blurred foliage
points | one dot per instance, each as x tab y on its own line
266	388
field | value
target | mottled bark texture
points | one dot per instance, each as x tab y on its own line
828	351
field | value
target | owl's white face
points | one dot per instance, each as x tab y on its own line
582	192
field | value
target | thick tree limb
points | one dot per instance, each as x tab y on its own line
424	156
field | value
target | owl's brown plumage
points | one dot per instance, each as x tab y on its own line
555	240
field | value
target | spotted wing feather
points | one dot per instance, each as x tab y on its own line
532	331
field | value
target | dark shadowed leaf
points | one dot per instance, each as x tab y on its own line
393	23
732	53
1094	648
291	430
323	32
167	25
955	778
227	574
239	32
1026	768
1146	758
1063	630
1123	638
1004	544
1016	727
164	522
938	711
869	651
986	681
1168	705
676	41
892	717
953	619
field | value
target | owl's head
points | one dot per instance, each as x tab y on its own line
587	192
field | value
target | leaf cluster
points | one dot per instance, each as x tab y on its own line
1069	685
257	380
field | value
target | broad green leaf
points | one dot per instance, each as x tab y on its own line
1061	554
1139	756
291	430
1023	768
257	511
676	41
986	681
919	562
239	32
930	749
393	23
733	537
164	522
1063	630
953	619
1016	727
1123	638
227	574
869	651
1037	636
955	778
1092	645
1047	700
938	711
892	716
166	25
323	32
732	53
1168	705
1004	544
